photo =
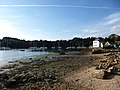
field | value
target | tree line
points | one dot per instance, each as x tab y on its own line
16	43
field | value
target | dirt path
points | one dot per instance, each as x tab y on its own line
87	82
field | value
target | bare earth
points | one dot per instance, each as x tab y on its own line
88	82
85	79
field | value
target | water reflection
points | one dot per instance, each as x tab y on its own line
10	55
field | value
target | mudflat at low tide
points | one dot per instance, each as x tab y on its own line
62	72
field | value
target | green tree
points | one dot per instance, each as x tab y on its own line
113	38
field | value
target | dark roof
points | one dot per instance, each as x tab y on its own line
97	40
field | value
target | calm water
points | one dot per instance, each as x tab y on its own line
10	55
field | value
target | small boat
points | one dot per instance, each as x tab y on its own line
22	50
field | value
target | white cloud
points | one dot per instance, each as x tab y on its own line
63	6
8	29
115	29
112	19
112	16
108	25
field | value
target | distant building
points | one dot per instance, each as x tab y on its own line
37	49
70	48
78	47
53	47
97	43
107	44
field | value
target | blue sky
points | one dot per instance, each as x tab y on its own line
58	19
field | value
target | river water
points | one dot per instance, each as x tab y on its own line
11	55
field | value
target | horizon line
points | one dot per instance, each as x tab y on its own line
58	6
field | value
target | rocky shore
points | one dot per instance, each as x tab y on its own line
49	73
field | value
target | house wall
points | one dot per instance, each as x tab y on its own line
96	44
101	45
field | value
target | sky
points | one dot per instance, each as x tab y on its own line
59	19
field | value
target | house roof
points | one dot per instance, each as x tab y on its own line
107	43
96	39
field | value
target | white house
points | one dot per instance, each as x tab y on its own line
97	43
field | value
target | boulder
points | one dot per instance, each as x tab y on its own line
2	87
99	74
9	66
112	70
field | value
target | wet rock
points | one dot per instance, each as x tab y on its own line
25	62
30	58
4	76
24	77
1	70
2	87
11	82
9	66
12	61
35	66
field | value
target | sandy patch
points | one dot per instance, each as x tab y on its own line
85	79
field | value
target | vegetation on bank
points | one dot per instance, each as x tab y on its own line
75	43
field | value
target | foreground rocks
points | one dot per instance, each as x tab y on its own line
64	72
43	75
106	66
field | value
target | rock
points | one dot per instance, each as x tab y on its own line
99	74
12	61
11	82
30	58
115	61
2	87
111	70
99	66
1	70
9	66
35	66
4	76
24	77
103	60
